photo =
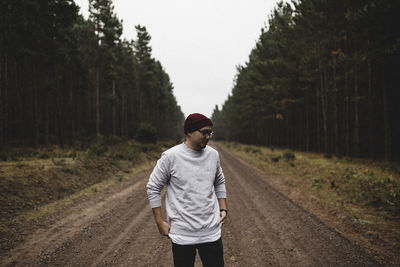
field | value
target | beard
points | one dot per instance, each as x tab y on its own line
203	144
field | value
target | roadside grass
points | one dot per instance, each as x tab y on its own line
37	183
363	195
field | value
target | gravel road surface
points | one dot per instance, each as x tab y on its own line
116	228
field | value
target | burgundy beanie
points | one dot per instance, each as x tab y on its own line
196	121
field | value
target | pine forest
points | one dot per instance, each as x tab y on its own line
324	77
63	77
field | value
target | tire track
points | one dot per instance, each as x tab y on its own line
142	247
42	244
135	221
248	226
276	246
137	243
93	242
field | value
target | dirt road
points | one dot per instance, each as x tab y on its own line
117	229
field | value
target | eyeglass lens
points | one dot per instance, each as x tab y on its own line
206	132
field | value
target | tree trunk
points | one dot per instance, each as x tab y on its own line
335	111
4	104
356	115
307	132
36	114
2	98
325	110
113	110
347	113
78	109
275	135
59	110
124	122
71	110
98	62
386	126
97	101
2	119
3	87
323	103
36	108
141	106
20	98
318	123
46	120
287	126
90	114
59	123
370	111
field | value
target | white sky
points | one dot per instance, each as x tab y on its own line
199	43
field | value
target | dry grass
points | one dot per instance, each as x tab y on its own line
363	195
37	214
36	183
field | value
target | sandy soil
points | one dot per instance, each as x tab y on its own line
116	228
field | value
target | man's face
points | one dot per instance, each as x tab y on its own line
200	138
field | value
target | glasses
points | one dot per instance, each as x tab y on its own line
206	132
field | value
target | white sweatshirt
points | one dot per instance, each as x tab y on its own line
194	181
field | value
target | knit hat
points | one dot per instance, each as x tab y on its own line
196	121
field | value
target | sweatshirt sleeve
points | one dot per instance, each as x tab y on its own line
219	184
158	178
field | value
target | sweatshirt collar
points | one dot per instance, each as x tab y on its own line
192	151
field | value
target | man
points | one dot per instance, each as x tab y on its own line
195	196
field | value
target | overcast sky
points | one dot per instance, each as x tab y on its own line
199	43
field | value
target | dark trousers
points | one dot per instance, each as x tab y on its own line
211	254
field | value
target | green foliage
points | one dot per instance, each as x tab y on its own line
3	156
146	133
44	156
15	154
98	150
289	156
372	190
275	158
148	147
109	140
361	221
252	150
316	183
126	152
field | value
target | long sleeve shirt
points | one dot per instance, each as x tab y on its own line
194	181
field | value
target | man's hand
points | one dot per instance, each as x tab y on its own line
163	228
222	214
223	209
